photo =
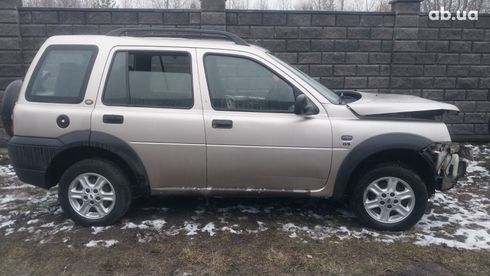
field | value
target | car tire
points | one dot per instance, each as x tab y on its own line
389	197
8	103
94	192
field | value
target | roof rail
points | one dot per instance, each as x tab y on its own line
198	33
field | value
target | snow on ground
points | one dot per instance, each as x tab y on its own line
457	218
104	243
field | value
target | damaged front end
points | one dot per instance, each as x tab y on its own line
394	105
449	162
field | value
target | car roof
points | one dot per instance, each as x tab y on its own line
113	41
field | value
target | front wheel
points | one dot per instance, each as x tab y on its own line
389	197
94	192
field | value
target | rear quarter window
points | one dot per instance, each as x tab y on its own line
62	74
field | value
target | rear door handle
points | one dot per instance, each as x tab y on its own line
222	124
112	119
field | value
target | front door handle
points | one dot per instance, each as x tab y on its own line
112	119
222	124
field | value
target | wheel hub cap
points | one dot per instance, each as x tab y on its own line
389	199
91	195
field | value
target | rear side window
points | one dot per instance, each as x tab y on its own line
150	79
62	74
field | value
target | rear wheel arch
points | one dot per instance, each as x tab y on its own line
99	145
403	149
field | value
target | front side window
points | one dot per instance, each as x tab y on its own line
241	84
150	79
62	74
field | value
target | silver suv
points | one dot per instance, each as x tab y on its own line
114	117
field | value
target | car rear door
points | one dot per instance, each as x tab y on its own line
151	100
253	139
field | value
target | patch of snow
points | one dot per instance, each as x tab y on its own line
9	231
199	211
210	228
48	225
248	209
99	229
104	243
7	198
156	224
32	221
191	228
232	229
7	223
15	187
7	170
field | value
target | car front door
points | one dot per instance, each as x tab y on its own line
254	140
151	101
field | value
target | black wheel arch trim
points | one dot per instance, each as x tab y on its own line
117	146
38	154
373	145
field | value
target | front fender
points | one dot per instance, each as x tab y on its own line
371	146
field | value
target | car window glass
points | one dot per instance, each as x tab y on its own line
241	84
61	75
150	79
116	89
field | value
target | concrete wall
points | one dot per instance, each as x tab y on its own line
394	52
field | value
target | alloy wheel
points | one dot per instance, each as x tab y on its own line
389	199
91	195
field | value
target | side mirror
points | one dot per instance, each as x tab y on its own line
303	106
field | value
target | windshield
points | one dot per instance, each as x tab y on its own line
327	93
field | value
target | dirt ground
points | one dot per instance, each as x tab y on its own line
195	236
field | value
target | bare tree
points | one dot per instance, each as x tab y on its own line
262	4
104	4
383	6
179	4
36	3
57	3
457	5
195	4
237	4
364	5
284	4
125	3
170	4
317	5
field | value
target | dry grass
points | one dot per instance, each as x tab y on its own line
230	254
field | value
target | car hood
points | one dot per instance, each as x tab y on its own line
377	104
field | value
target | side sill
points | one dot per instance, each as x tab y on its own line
230	192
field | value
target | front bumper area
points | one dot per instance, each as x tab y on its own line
446	183
449	165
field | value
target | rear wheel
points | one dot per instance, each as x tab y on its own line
390	197
94	192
